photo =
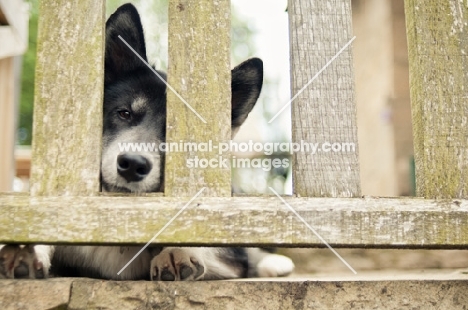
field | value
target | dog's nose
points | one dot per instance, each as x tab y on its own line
133	168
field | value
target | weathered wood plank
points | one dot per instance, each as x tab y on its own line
199	70
364	292
325	111
68	98
437	41
7	123
249	221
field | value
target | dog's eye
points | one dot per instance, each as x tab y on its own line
124	114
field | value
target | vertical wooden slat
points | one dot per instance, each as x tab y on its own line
438	46
68	98
325	111
199	70
7	124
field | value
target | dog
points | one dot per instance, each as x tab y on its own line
135	111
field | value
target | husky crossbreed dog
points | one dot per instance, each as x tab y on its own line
135	111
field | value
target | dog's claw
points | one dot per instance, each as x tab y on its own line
200	269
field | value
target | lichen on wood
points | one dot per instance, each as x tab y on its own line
437	45
233	221
199	70
68	98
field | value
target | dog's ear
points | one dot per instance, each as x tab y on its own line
246	84
120	59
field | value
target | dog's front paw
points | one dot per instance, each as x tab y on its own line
27	261
274	265
177	264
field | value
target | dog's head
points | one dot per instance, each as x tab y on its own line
135	107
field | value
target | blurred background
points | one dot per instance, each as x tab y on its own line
259	29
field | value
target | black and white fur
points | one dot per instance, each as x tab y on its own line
135	111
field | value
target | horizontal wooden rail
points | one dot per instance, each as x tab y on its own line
246	221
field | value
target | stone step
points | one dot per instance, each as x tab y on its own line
425	289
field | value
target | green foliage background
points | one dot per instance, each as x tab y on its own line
27	80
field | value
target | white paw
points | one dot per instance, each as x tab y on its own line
177	264
27	261
275	265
